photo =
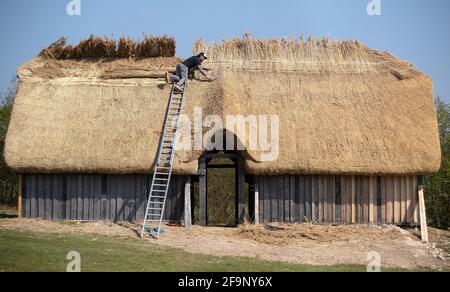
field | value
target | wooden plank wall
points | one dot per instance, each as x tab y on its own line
96	197
338	199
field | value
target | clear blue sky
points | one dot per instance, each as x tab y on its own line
415	30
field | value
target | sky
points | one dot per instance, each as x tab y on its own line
414	30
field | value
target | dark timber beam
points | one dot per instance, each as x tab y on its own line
203	192
240	198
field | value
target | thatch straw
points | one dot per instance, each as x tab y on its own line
343	109
103	47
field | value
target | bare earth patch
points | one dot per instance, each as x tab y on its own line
301	244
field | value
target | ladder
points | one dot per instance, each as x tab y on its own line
154	213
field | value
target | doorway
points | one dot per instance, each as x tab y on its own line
222	187
221	192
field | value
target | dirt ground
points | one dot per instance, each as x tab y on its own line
302	244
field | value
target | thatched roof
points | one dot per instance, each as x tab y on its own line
343	108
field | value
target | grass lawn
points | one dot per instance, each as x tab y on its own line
43	252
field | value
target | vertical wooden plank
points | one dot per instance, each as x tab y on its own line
288	200
353	208
326	202
408	199
331	199
300	191
383	199
416	200
41	196
321	196
140	197
280	198
337	213
26	196
268	199
91	180
308	197
112	192
262	199
294	208
187	205
81	212
379	199
60	198
403	200
177	202
257	203
390	186
120	198
20	197
97	189
397	199
203	192
72	195
48	199
33	197
314	198
71	209
372	200
343	199
240	192
365	199
281	195
67	198
348	201
358	196
274	198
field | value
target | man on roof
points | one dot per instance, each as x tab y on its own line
193	63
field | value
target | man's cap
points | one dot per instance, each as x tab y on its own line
202	54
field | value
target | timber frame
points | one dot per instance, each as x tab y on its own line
239	162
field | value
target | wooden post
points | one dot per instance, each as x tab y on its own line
257	204
203	193
372	199
353	199
19	203
423	215
187	205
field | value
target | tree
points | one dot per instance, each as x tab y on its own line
6	104
438	186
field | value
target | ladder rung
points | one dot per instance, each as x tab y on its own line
159	185
163	179
162	173
158	197
159	191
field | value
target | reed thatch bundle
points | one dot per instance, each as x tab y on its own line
343	109
103	47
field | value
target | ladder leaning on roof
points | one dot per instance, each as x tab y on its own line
163	168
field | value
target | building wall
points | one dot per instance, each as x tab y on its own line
289	199
338	199
95	197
